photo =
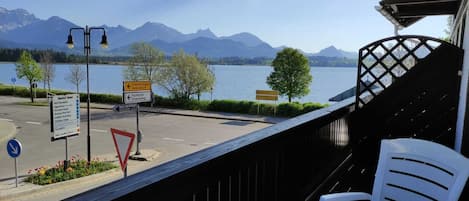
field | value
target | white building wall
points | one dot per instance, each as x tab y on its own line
462	34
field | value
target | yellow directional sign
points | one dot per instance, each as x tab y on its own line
137	86
267	95
267	92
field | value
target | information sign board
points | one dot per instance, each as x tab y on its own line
65	115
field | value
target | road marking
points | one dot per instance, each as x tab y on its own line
99	131
173	139
210	143
6	120
33	122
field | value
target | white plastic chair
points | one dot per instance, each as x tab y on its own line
413	169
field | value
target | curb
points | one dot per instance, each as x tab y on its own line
209	117
143	109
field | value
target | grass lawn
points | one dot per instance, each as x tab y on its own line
36	103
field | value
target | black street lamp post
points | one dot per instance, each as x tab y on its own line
87	46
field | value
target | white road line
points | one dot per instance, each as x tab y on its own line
33	122
173	139
99	131
210	143
6	120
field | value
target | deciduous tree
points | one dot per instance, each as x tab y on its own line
46	61
186	76
291	75
76	76
144	63
27	68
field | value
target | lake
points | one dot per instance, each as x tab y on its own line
232	81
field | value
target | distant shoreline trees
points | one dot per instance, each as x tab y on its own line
11	55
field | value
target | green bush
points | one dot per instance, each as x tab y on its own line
308	107
195	104
290	109
102	98
222	105
231	106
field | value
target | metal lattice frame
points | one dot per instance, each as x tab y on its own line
383	62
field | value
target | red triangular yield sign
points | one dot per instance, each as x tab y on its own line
123	142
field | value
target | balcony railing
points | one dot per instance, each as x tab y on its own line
286	161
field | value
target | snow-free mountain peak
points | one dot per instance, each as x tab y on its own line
13	19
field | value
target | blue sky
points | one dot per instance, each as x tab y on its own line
309	25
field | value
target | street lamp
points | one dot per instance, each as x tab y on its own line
87	47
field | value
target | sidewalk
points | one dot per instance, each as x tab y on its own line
203	114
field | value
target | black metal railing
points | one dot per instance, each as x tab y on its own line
286	161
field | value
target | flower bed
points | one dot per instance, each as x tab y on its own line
78	167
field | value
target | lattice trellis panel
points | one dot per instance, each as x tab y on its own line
383	62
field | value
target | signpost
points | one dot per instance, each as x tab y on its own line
135	92
14	150
266	95
65	118
123	142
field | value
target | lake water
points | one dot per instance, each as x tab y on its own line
232	82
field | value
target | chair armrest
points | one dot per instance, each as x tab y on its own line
345	196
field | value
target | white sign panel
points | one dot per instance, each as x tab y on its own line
137	97
65	115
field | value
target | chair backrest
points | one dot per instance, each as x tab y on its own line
413	169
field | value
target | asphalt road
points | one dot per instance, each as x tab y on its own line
171	135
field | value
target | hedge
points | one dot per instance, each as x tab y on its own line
230	106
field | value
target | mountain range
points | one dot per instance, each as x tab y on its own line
21	29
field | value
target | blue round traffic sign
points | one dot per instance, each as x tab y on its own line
13	79
14	148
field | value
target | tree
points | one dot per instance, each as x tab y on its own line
28	68
48	68
144	63
76	76
186	76
291	76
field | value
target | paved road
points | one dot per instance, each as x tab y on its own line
171	135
